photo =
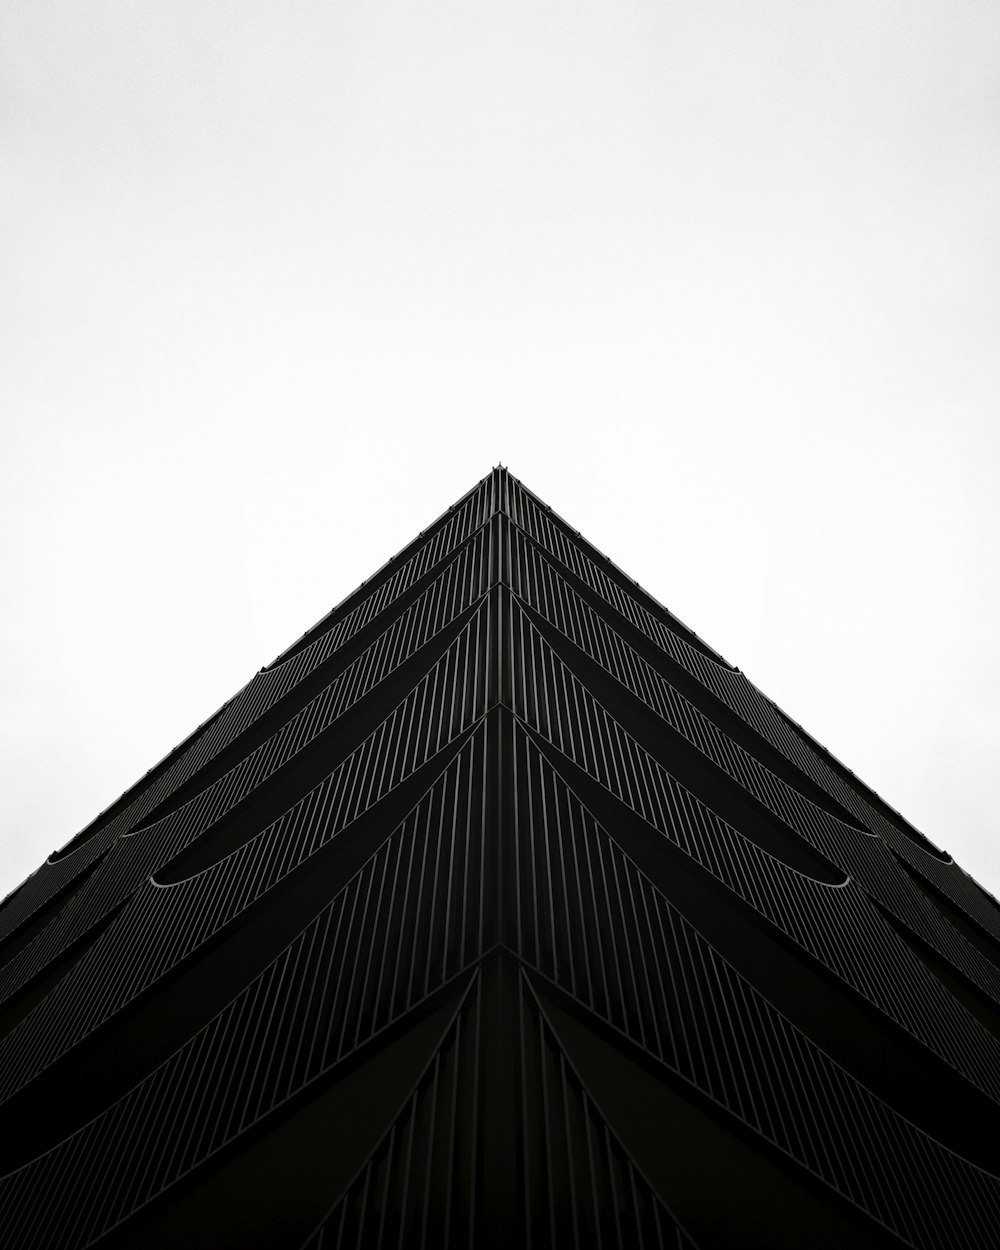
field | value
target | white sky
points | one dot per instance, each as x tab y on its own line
280	281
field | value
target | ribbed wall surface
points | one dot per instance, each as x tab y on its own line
499	910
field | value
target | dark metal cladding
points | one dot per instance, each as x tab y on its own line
499	911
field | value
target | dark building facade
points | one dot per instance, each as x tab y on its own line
499	911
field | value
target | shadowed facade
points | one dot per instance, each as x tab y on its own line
499	910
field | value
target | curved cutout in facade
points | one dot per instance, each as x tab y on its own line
922	1086
293	782
27	997
133	792
969	995
984	942
623	582
285	709
719	792
381	576
722	715
144	1032
42	917
898	822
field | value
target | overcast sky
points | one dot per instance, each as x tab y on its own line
280	281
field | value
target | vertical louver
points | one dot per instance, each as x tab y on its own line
499	911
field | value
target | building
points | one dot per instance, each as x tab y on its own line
499	911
